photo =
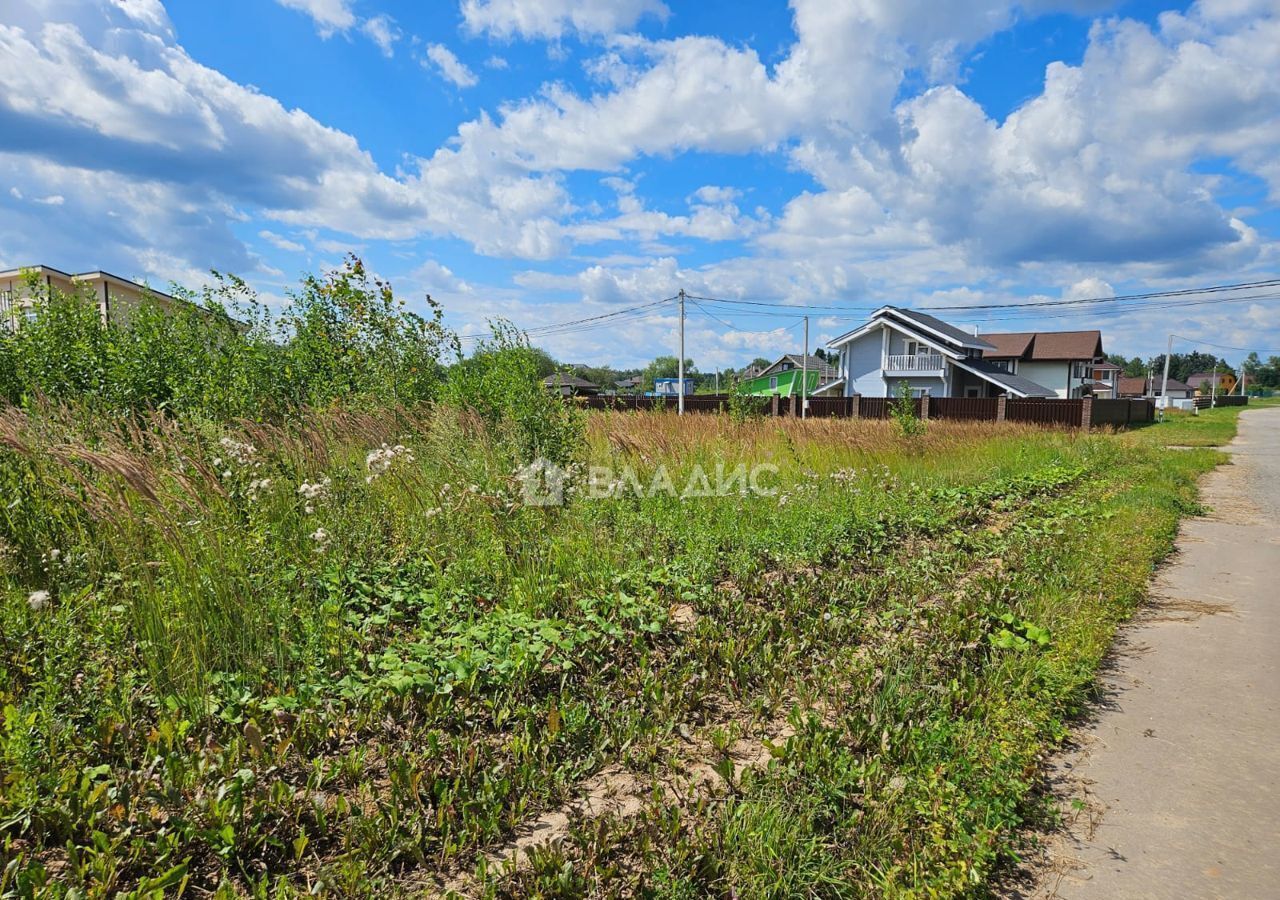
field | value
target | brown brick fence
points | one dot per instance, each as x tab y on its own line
1071	413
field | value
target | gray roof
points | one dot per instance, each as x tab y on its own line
800	361
565	380
956	334
999	377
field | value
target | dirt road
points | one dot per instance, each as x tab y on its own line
1180	772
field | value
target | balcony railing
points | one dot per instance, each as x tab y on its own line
912	363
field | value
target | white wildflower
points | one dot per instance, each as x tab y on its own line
379	460
38	600
239	451
321	537
54	554
258	486
313	491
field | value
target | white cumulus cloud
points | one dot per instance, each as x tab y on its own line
448	65
550	19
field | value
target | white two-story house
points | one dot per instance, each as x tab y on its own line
931	356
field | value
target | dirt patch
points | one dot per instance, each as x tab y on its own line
696	771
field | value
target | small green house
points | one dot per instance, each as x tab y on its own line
782	378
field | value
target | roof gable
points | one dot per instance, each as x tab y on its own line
931	330
943	329
799	361
566	380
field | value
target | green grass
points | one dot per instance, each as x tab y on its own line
237	688
1206	428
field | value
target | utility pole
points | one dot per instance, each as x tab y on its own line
804	373
1164	388
717	380
1213	384
680	363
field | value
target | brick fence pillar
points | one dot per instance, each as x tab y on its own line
1086	413
855	406
795	405
773	406
1000	408
924	406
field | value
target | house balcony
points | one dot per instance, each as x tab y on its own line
931	363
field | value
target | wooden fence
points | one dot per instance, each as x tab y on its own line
980	408
1122	412
1072	413
1229	400
1045	412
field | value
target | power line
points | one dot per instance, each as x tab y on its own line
1080	301
1257	350
710	315
555	328
1100	313
967	311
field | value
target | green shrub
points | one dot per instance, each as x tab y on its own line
903	410
500	384
221	355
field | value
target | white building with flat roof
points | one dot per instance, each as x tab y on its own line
115	297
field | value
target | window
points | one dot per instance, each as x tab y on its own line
773	382
1077	370
919	392
971	392
1004	365
913	348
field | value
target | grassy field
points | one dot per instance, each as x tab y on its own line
343	655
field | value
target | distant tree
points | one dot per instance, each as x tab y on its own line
666	367
544	362
1183	365
605	376
1133	368
821	354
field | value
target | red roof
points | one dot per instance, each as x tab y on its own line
1008	345
1045	345
1137	385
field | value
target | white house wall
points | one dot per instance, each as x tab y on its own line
1051	375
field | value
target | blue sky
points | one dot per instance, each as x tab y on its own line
545	160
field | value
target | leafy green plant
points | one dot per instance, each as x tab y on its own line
745	407
499	382
903	411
